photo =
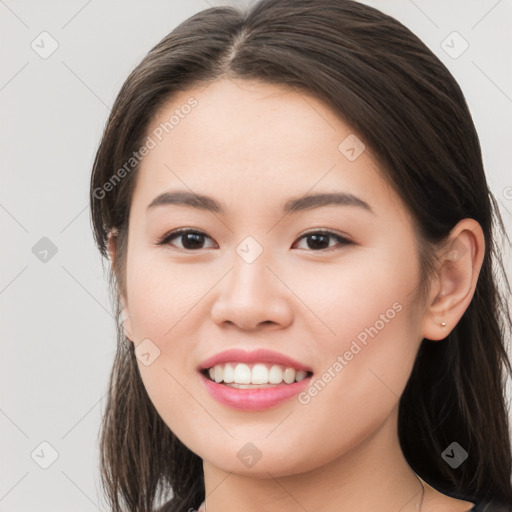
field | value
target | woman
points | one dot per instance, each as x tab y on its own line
302	244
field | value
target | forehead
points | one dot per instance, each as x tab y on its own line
253	140
244	117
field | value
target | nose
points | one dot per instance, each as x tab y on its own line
252	297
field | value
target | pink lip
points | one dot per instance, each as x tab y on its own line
253	399
256	356
257	398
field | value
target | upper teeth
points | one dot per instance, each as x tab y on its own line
259	373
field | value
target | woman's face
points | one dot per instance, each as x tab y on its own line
341	308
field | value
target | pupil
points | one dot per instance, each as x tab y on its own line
192	240
316	244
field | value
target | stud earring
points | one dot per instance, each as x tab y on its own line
443	324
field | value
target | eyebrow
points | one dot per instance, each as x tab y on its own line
309	202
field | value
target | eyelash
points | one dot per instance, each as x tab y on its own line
166	239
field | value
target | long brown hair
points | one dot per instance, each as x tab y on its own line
406	106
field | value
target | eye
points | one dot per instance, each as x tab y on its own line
317	240
191	239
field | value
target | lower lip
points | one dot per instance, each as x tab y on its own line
253	399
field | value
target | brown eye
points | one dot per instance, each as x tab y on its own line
190	239
319	240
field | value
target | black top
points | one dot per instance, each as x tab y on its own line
491	506
488	504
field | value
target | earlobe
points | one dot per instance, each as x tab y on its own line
125	319
126	323
454	285
112	245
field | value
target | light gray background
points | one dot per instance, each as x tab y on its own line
56	326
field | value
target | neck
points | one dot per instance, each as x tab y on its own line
372	476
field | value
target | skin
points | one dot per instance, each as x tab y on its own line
252	146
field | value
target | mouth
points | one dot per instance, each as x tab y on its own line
253	376
253	386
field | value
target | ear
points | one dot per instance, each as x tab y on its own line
454	285
125	314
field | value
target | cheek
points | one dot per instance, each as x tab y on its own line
365	365
373	337
165	300
160	294
161	300
369	295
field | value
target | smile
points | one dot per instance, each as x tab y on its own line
253	387
250	376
